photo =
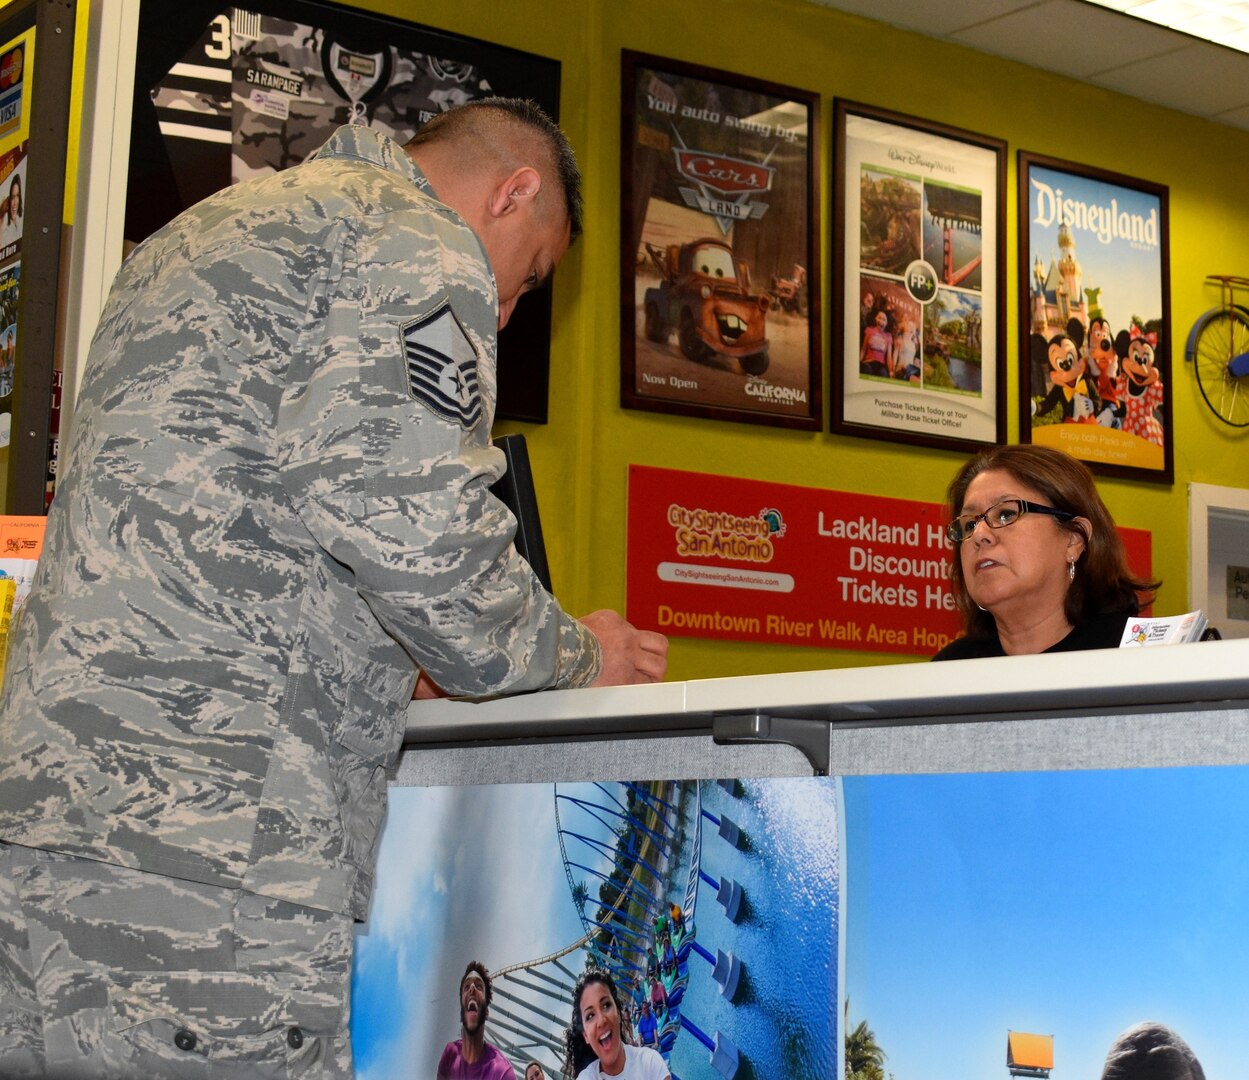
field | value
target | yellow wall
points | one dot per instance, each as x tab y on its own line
581	457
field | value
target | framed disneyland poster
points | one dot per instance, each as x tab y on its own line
719	277
919	236
226	93
1095	317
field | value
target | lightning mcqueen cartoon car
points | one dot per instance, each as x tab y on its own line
706	298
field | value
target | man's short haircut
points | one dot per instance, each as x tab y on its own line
480	968
1151	1051
478	117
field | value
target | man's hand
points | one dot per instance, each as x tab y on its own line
426	688
630	655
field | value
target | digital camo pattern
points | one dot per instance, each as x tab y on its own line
257	532
268	91
111	973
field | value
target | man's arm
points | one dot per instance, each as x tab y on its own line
392	481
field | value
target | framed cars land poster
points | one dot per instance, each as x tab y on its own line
919	238
720	313
1095	323
226	93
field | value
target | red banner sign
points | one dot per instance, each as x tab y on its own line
718	557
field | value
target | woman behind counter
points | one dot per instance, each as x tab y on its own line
1038	565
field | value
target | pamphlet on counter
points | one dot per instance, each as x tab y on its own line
1172	630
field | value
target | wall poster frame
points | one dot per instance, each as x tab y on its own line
223	93
1095	317
719	271
1218	556
37	55
919	242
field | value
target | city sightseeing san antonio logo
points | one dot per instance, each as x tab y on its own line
715	534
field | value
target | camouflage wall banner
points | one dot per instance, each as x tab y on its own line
719	300
226	93
918	234
1094	317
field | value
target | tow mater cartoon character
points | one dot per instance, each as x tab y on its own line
706	298
790	293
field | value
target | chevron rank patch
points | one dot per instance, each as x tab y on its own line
442	366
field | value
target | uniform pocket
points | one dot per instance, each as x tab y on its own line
188	1023
365	741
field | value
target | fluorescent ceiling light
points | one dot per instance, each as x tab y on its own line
1225	22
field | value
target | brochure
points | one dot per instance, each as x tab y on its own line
1172	630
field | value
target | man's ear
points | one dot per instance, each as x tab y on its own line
524	183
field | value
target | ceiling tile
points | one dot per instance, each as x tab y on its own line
1234	117
926	17
1082	40
1202	78
1069	37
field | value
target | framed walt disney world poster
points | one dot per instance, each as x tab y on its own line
1095	317
919	237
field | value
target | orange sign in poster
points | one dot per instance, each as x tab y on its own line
745	560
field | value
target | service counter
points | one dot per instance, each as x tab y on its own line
1163	705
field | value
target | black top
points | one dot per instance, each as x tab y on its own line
1098	632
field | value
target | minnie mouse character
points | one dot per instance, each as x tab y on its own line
1069	388
1141	382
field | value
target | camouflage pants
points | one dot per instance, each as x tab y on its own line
114	974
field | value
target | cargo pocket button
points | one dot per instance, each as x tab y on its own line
184	1039
294	1038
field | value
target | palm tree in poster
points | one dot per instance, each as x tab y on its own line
865	1060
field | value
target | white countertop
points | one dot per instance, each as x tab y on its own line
1108	681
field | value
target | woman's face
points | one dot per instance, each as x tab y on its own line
1020	570
881	319
600	1022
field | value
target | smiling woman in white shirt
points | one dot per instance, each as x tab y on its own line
594	1044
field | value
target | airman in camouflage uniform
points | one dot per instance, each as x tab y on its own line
274	508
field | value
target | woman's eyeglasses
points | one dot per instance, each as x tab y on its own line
999	515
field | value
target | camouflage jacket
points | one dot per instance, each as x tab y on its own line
274	506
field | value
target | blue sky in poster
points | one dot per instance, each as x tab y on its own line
492	888
1074	904
1127	272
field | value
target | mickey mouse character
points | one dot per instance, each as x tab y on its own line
1141	381
1104	363
1069	388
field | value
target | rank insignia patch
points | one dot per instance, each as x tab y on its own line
442	367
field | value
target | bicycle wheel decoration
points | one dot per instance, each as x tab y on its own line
1218	348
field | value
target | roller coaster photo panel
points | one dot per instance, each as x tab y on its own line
715	902
970	926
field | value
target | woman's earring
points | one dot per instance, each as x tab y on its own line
1071	570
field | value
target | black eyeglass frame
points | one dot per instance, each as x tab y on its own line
957	533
